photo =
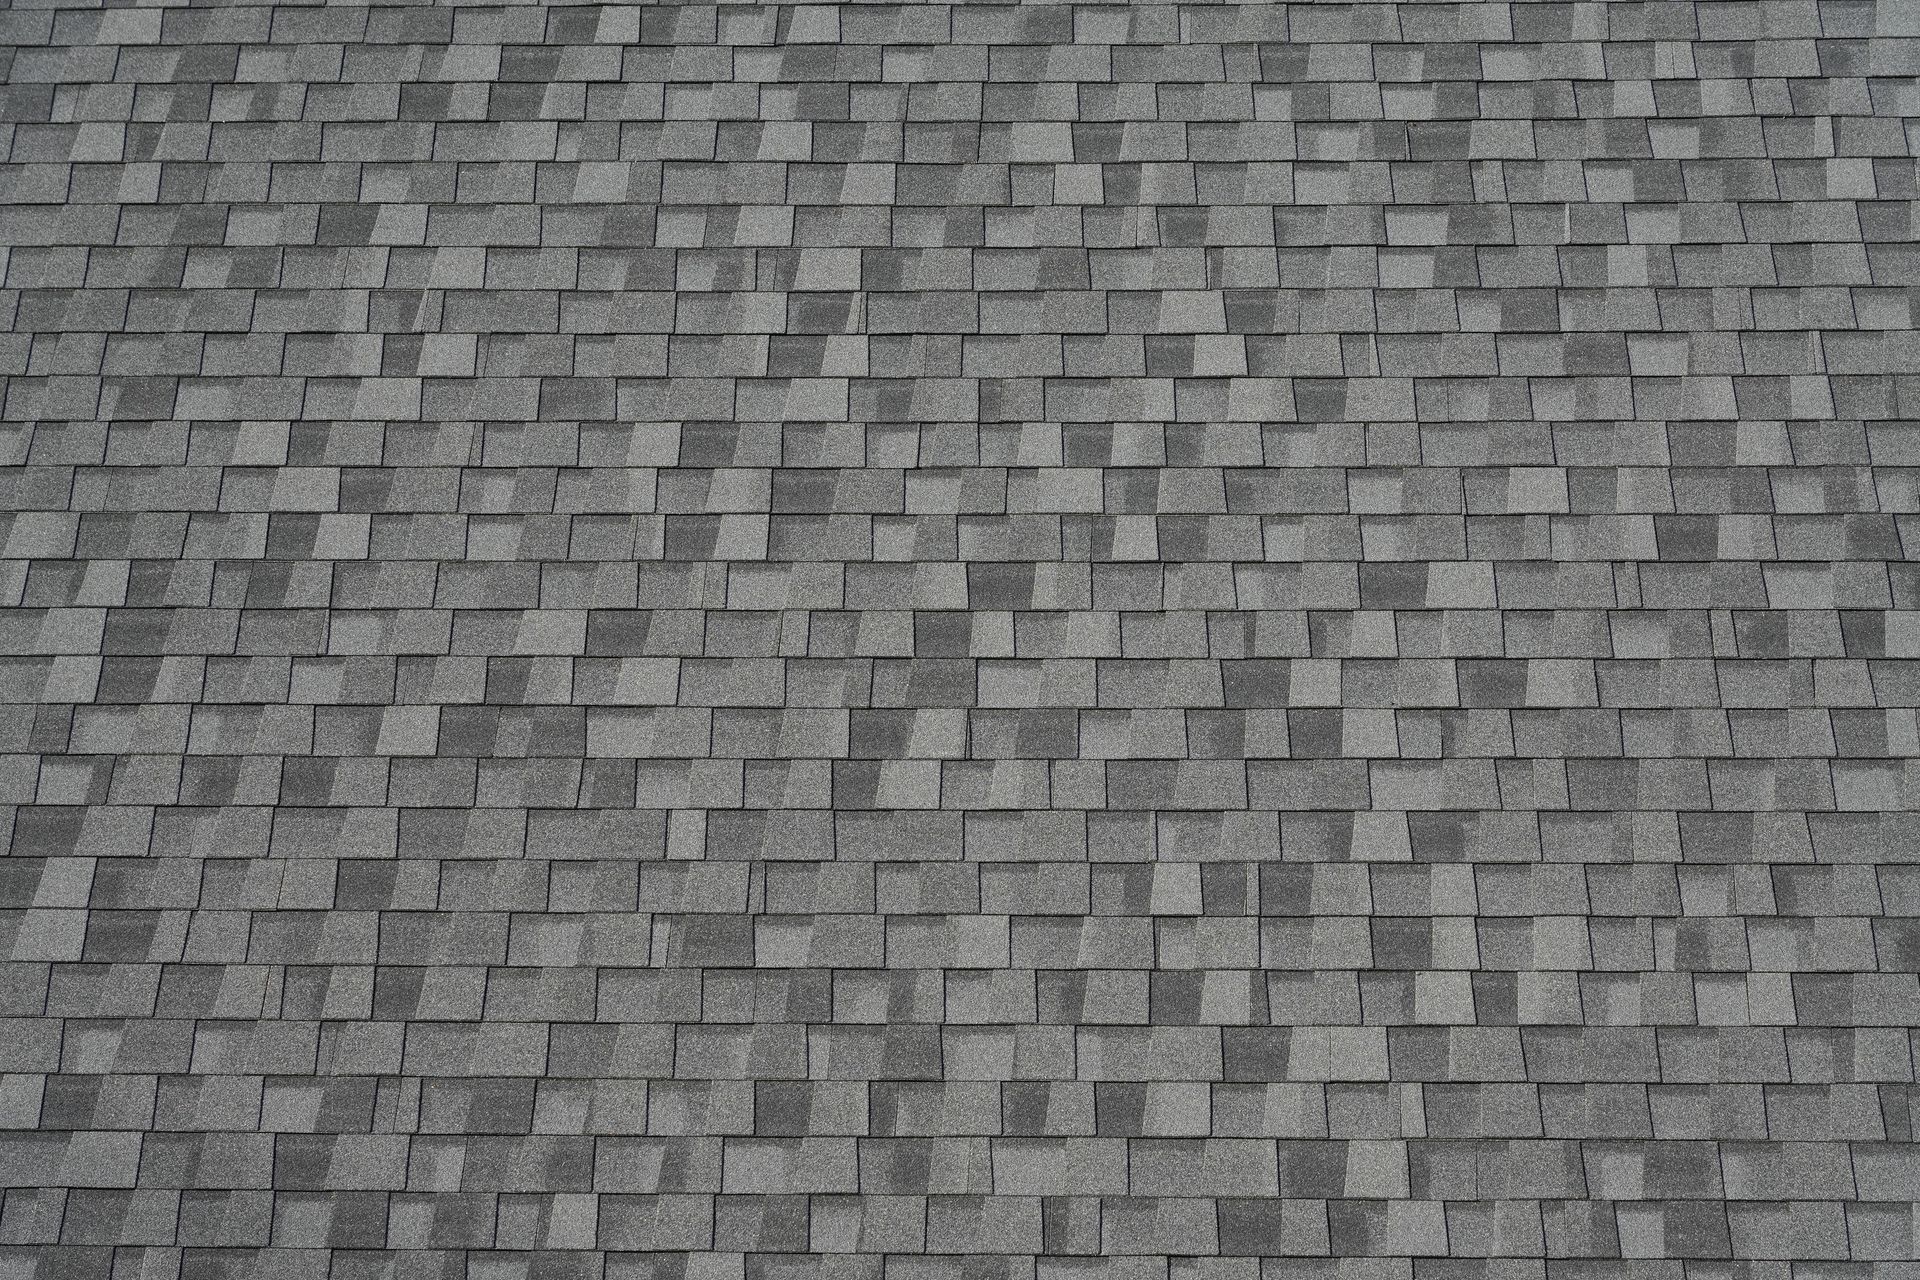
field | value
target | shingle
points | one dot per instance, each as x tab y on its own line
709	614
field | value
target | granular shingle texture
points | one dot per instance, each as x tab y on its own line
960	642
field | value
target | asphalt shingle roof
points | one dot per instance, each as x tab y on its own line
988	641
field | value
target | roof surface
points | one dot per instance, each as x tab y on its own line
959	642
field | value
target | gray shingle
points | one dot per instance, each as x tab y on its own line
975	641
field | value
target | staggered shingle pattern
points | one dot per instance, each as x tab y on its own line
960	642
